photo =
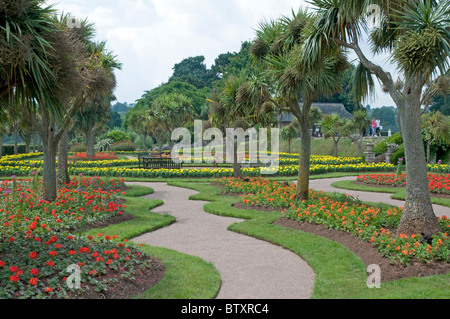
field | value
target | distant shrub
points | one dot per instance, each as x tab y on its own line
78	148
381	147
123	146
399	153
118	136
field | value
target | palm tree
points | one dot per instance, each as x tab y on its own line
171	111
361	122
436	129
416	35
278	47
83	69
335	127
91	118
24	51
288	133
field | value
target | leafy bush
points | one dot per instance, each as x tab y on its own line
399	153
123	146
118	136
78	148
381	147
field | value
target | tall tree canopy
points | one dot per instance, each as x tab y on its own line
416	36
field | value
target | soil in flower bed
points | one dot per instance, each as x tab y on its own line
127	288
368	254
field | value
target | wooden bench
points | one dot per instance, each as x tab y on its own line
147	161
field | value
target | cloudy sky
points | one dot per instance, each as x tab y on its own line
150	36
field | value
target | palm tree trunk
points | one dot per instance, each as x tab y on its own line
302	189
16	136
237	171
418	215
63	153
90	142
49	167
428	152
335	151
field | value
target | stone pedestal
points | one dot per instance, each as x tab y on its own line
370	154
388	157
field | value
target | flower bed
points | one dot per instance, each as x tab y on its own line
437	183
98	157
38	252
347	214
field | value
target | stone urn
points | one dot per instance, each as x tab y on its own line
391	148
369	147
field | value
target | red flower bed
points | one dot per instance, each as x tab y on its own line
437	183
98	157
38	252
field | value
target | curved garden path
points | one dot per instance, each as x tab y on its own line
249	268
325	185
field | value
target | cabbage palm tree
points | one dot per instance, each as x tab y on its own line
171	111
416	35
83	69
24	51
278	47
335	127
361	122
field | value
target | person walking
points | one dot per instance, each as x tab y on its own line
378	127
374	127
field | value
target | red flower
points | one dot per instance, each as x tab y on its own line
2	263
50	263
13	268
34	272
72	252
14	278
53	253
33	254
33	281
48	289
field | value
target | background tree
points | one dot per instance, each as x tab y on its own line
416	36
360	122
436	129
290	132
91	118
278	47
334	127
171	111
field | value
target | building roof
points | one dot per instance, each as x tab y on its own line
326	108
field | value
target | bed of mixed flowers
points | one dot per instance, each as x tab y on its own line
22	165
437	183
344	213
39	245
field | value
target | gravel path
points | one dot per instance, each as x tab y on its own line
249	268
